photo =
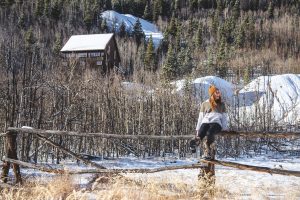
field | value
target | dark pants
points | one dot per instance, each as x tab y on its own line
209	130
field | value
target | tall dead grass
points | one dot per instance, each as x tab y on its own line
149	187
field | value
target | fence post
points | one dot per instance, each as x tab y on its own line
207	172
11	152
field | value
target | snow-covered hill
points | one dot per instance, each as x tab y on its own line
277	96
200	87
114	19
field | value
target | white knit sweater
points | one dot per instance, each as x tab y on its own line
212	117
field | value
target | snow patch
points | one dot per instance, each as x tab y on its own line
115	19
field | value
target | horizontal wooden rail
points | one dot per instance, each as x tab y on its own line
94	171
159	169
253	168
34	166
155	137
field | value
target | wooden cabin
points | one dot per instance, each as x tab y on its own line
98	50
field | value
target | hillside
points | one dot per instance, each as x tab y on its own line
114	21
277	96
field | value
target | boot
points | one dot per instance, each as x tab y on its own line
206	151
193	144
209	151
212	149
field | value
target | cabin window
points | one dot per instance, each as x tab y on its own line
82	55
95	54
70	55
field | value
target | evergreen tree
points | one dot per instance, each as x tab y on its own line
147	12
246	76
271	10
220	7
88	15
57	44
29	40
241	36
150	56
56	10
116	5
138	33
47	8
250	31
199	38
172	29
236	10
221	58
104	26
88	20
108	5
215	23
169	68
180	60
21	21
187	65
39	9
157	9
228	28
210	59
194	5
177	5
177	41
122	30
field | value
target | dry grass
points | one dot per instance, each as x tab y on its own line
58	188
159	186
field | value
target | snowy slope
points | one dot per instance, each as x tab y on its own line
114	19
278	94
200	87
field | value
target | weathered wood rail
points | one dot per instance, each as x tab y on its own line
253	168
12	159
153	137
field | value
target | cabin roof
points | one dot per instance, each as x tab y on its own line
87	42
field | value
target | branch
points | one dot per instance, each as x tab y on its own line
87	162
253	168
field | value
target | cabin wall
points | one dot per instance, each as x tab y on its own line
113	58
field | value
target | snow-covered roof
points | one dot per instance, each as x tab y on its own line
87	42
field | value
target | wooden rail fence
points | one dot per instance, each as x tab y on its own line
207	166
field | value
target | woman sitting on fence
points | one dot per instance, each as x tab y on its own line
212	119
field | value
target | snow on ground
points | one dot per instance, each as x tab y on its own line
233	180
115	19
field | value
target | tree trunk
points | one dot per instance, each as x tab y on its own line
11	148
